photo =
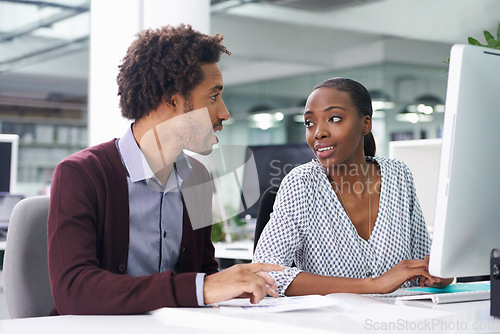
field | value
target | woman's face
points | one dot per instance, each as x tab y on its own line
334	128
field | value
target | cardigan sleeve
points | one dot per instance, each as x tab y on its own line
86	267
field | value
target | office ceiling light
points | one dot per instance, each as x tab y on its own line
263	120
439	107
413	117
299	118
264	117
378	114
421	110
318	5
381	100
410	117
380	103
426	104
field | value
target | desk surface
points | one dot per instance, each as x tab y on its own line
424	317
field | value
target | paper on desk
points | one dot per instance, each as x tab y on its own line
355	307
270	305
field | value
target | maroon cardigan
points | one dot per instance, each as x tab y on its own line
88	237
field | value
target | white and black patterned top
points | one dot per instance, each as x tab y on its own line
310	228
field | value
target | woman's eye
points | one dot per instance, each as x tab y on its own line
308	124
335	119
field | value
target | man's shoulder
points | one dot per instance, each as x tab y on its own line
103	151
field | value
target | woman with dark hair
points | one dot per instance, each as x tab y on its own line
349	221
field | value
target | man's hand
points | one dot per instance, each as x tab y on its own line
249	280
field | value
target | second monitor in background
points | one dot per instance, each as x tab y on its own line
273	162
422	157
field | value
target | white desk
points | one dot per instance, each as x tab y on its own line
470	317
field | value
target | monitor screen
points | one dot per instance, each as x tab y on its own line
273	162
8	162
7	204
466	221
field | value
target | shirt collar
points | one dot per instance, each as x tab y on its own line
138	168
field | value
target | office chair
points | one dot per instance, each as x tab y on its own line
26	274
265	208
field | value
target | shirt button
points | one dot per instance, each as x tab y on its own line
164	234
122	267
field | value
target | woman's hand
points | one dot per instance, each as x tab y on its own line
406	270
438	281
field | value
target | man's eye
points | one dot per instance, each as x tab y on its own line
214	97
308	124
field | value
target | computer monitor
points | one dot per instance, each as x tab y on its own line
8	162
273	162
422	157
7	203
467	217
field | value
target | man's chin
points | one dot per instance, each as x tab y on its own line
207	152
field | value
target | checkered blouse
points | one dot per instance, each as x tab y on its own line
310	228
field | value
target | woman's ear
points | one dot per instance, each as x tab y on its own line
367	124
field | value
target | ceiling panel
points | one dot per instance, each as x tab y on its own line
267	40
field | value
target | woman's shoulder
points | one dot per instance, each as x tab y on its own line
303	174
306	170
394	169
391	164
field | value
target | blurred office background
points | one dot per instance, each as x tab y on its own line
280	50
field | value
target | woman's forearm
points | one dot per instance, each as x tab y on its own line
310	284
406	270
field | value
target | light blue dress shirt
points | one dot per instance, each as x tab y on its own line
156	213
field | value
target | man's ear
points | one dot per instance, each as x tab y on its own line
177	103
169	101
367	124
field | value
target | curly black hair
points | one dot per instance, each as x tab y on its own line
161	63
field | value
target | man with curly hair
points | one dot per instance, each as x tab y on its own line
122	237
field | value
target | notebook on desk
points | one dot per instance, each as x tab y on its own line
454	293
